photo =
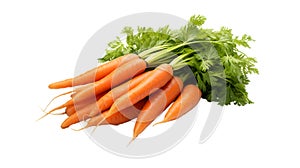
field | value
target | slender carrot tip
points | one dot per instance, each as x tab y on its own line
94	130
43	116
62	113
159	123
132	139
80	128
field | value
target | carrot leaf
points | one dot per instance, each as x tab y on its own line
215	56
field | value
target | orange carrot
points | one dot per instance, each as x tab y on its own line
94	74
156	104
119	75
108	99
77	116
119	117
77	103
188	99
70	110
78	89
156	79
81	111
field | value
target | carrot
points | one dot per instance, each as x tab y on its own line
156	104
119	75
78	89
108	99
81	111
73	108
157	79
119	117
70	110
94	74
77	103
77	116
188	99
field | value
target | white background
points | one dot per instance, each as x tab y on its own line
40	43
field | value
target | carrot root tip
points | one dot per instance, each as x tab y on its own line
159	123
80	128
55	98
94	130
132	139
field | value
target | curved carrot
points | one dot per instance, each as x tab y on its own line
157	79
108	99
94	74
188	99
118	117
78	106
77	103
119	75
81	111
77	116
156	104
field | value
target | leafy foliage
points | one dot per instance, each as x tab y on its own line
219	66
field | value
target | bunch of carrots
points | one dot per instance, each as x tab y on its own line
144	75
123	89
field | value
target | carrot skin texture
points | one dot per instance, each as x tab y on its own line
119	75
187	100
157	79
80	111
94	74
76	102
80	105
77	116
70	110
119	117
108	99
156	104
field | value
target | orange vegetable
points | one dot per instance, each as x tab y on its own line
118	118
119	75
156	79
94	74
188	99
156	104
108	99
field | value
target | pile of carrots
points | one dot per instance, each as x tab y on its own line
124	89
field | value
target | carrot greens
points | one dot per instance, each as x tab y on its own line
214	56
